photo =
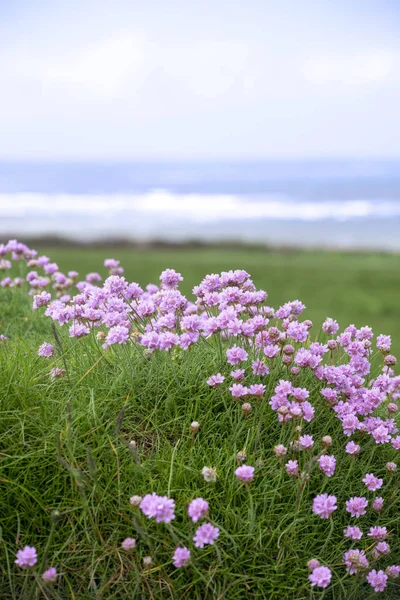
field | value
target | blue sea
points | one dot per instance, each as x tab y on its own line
320	203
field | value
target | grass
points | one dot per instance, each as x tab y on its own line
65	447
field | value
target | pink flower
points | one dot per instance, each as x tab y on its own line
238	374
27	557
372	482
215	380
327	464
160	508
205	534
352	448
324	505
321	577
378	533
330	326
355	559
128	544
292	467
197	509
306	441
356	506
354	533
257	389
181	557
377	580
313	564
238	390
245	473
50	576
41	300
236	355
380	549
259	368
378	503
381	435
393	571
46	350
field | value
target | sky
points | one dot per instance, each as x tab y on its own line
191	79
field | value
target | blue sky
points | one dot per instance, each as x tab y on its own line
128	79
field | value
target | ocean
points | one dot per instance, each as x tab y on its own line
320	203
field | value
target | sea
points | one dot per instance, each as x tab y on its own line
346	204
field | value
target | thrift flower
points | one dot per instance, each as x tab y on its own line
197	509
205	534
356	506
313	564
128	544
354	533
327	464
215	380
393	571
373	483
306	442
378	503
355	559
46	350
377	580
378	533
50	576
181	557
236	355
352	448
245	473
292	467
321	577
27	557
160	508
324	505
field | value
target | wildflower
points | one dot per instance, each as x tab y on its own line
160	508
381	435
209	474
377	580
41	300
391	467
197	509
393	571
356	506
46	350
330	326
135	500
313	564
215	380
378	533
280	450
257	389
238	390
128	544
238	374
27	557
324	505
373	483
354	533
327	464
195	426
355	559
321	577
383	343
205	534
292	467
381	549
57	373
390	360
377	503
181	557
236	355
259	368
50	576
245	473
352	448
306	442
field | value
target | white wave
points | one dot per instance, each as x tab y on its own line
190	208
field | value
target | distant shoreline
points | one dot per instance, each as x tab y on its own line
64	242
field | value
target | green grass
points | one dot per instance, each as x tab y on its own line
64	447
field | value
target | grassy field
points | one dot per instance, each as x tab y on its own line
67	470
363	289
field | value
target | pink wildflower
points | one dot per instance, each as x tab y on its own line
197	509
324	505
377	580
373	483
354	533
356	506
245	473
321	577
50	576
27	557
327	464
205	534
215	380
160	508
181	557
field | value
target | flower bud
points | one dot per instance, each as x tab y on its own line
280	450
147	562
241	456
327	441
392	408
246	408
390	360
209	474
135	500
295	370
391	467
195	426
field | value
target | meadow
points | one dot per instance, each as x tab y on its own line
120	420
